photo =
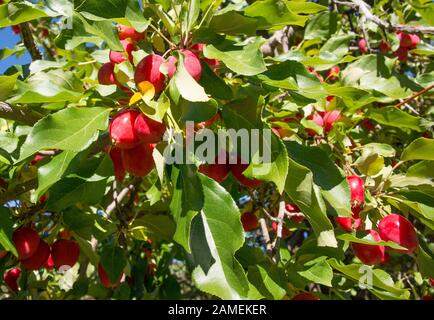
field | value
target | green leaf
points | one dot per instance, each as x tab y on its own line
113	260
422	169
337	46
320	272
187	86
224	234
104	9
274	14
275	171
268	280
419	149
233	23
52	86
292	75
306	195
185	204
326	175
382	149
370	163
87	249
53	171
214	85
8	141
88	225
87	185
248	61
197	111
425	261
18	12
7	84
154	226
192	14
322	26
368	240
6	229
71	129
380	279
391	116
374	72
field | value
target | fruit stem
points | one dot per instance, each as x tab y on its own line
162	36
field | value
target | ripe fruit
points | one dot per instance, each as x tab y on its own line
305	296
357	190
363	47
401	54
105	280
10	277
197	48
431	281
16	29
148	130
65	253
119	57
409	41
368	125
369	254
106	74
398	229
3	254
149	70
384	47
139	161
318	119
285	231
237	171
65	234
37	159
249	221
330	118
118	165
350	224
39	258
122	130
333	73
191	64
207	123
313	71
292	208
126	32
49	265
26	242
218	172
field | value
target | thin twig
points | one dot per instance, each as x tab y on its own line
29	43
18	190
266	235
365	10
414	96
280	217
20	115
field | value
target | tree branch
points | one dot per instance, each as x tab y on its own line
414	96
121	196
278	39
18	190
28	41
19	114
365	10
280	217
266	235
